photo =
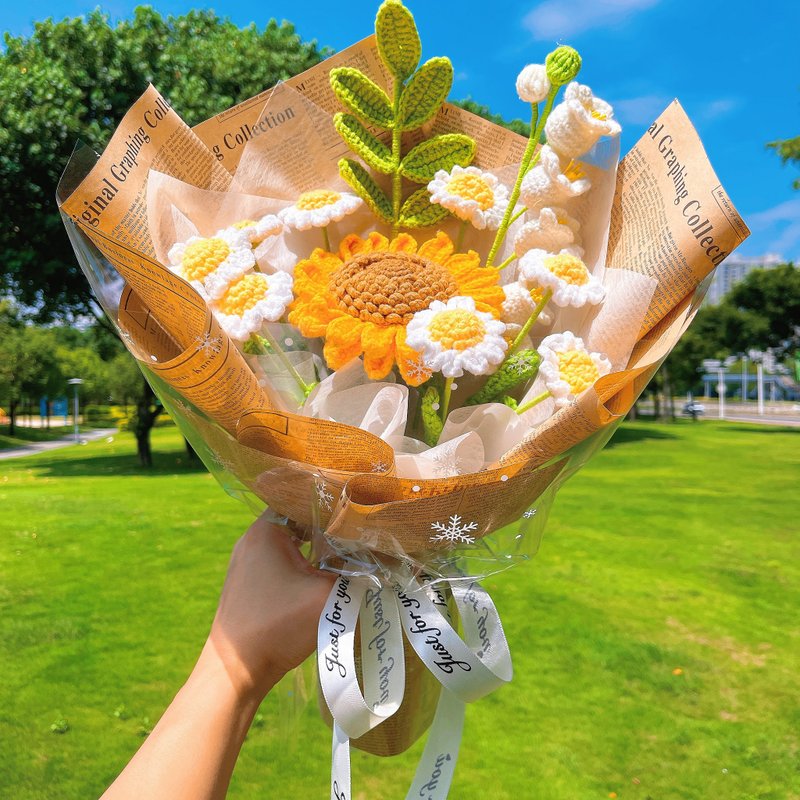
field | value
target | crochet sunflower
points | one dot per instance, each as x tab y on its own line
361	299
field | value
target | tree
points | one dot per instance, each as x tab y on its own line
75	79
760	312
516	125
789	152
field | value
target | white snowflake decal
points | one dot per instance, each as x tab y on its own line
183	407
323	495
223	463
380	466
208	344
447	462
417	369
519	366
531	512
454	530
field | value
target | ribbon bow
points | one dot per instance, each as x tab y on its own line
389	608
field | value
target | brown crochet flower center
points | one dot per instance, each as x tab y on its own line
388	288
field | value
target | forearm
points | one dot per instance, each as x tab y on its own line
192	750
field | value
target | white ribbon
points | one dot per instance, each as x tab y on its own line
468	668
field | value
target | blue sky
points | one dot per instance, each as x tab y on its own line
733	64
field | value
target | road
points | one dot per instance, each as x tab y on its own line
65	441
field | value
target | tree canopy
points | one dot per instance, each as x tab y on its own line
761	312
75	79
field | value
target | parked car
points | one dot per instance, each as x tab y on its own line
693	409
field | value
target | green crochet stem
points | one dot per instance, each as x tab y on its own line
531	403
530	323
507	261
326	239
448	388
397	153
302	385
529	159
461	232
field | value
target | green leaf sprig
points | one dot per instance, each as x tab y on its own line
417	94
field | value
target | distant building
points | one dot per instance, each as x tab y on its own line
734	270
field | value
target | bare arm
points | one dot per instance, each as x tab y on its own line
265	625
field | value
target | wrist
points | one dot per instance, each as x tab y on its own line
224	674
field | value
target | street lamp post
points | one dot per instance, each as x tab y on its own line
715	365
758	357
744	379
75	383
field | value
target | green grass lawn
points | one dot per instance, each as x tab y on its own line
655	636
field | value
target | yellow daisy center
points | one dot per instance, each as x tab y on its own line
242	295
242	224
457	329
599	114
472	187
201	258
574	171
577	369
388	288
537	295
569	268
319	198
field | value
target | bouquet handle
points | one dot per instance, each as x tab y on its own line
389	608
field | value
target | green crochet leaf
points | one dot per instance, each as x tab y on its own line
371	149
425	93
522	366
419	212
398	40
440	152
366	188
431	422
361	96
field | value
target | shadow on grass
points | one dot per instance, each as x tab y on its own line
626	434
116	465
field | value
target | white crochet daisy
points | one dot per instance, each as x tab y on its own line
252	300
568	368
547	184
579	121
318	208
519	305
564	274
211	264
472	195
551	229
258	230
453	338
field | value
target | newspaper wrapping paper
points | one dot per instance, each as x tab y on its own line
671	223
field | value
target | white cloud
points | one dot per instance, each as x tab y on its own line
774	220
640	110
718	108
555	19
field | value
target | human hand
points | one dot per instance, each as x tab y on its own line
266	623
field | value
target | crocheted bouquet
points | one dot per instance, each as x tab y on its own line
400	328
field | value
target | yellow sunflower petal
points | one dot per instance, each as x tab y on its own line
463	263
438	249
312	316
343	341
351	245
379	349
409	361
404	243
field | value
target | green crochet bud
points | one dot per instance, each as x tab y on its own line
431	422
562	65
257	346
517	368
510	402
